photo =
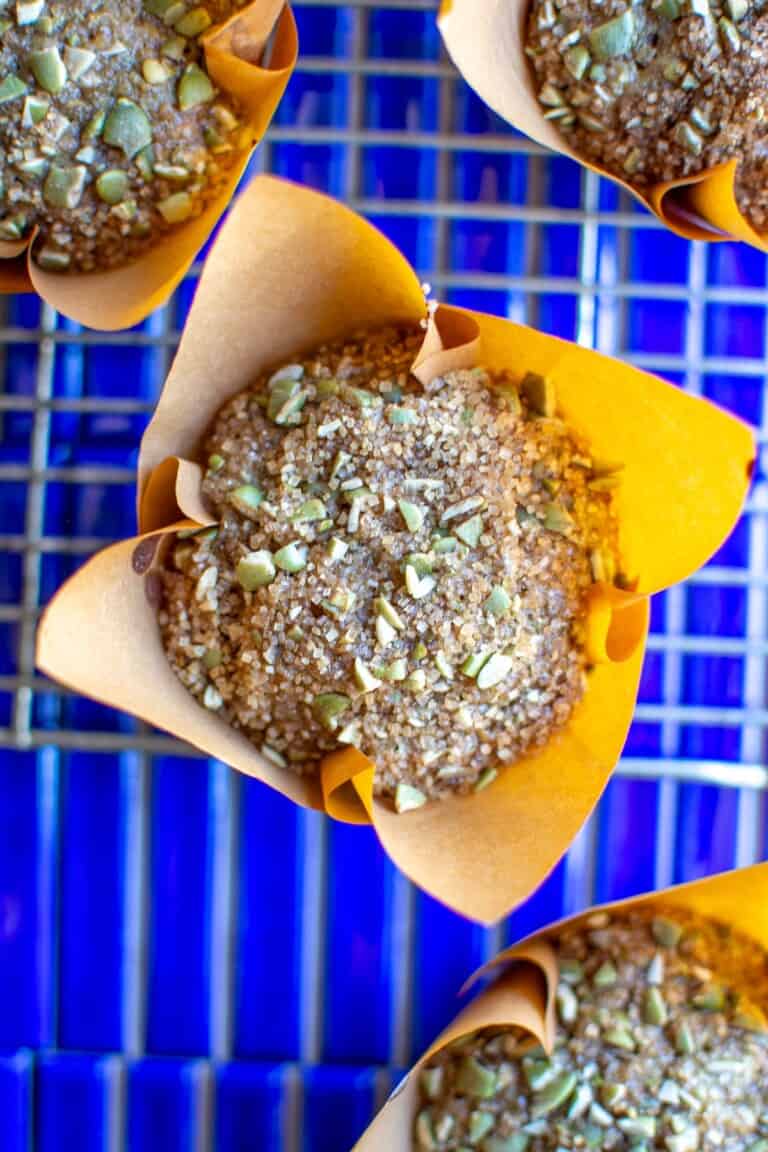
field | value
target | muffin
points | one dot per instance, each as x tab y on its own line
112	133
659	91
398	568
660	1043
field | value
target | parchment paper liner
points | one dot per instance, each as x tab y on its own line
123	296
486	40
291	269
523	996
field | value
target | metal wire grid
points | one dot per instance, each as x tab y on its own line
603	288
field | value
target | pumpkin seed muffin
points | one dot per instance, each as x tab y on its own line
658	89
397	568
111	131
661	1043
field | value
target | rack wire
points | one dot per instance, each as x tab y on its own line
376	115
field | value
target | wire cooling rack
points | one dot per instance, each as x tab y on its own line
187	962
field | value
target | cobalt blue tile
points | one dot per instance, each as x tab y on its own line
249	1108
462	948
657	256
412	235
6	709
104	510
611	199
339	1104
545	905
734	553
55	568
487	246
710	742
91	924
23	311
625	852
706	831
161	1106
558	315
319	166
563	182
653	329
324	30
644	740
72	1096
313	101
479	299
716	681
560	245
658	612
495	178
714	611
356	1025
742	395
25	907
13	505
16	1076
403	34
399	173
20	369
401	103
735	265
10	575
269	925
652	678
179	895
475	117
734	330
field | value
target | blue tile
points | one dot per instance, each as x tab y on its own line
706	831
462	947
72	1096
249	1109
16	1079
357	1009
626	855
27	903
338	1106
91	926
269	925
178	977
161	1112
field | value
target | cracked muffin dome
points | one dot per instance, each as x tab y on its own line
399	568
111	131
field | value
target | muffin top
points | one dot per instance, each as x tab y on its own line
397	568
111	131
661	1043
660	90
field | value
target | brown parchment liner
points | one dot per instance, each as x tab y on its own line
486	40
121	297
524	994
291	269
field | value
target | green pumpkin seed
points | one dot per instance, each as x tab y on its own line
554	1095
655	1008
64	186
327	707
614	37
194	88
256	570
498	602
112	186
52	259
412	514
193	23
49	69
666	933
127	127
176	208
470	531
11	88
78	61
292	557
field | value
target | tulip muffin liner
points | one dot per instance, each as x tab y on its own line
523	994
486	40
291	270
121	297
